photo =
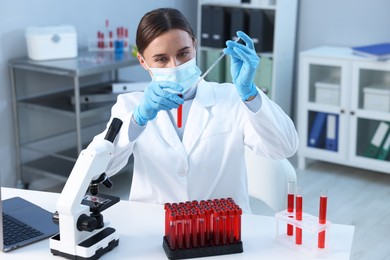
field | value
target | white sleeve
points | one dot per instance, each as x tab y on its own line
270	132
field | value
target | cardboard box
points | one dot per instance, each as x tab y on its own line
377	97
327	93
48	43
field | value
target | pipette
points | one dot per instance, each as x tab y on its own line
180	108
214	64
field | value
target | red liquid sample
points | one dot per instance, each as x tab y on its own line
290	209
298	216
202	229
180	230
180	114
230	225
187	229
223	227
322	220
172	231
194	228
216	227
237	225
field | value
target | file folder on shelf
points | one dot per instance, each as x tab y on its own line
317	131
384	150
218	24
332	132
238	22
205	36
377	140
261	30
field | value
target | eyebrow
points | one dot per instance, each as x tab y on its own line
162	54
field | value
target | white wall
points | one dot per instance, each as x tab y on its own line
343	22
88	16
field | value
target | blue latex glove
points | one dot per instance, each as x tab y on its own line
244	62
162	95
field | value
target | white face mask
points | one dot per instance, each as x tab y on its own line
185	74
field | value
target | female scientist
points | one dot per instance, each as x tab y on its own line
204	159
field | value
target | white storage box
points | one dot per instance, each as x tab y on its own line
377	97
327	93
48	43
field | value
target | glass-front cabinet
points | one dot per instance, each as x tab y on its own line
343	109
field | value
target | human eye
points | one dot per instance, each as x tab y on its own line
183	54
161	60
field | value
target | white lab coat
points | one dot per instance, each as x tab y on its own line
209	162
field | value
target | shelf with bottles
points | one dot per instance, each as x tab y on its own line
110	39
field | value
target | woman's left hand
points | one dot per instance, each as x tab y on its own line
244	63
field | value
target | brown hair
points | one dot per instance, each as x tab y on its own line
157	22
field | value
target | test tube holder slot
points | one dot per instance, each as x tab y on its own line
208	250
310	228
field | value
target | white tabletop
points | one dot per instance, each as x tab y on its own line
141	229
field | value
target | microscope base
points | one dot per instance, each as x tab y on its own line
91	248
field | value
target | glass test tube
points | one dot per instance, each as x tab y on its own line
180	230
322	217
290	204
194	228
187	229
231	225
172	232
223	226
298	215
180	114
202	228
167	213
216	226
237	225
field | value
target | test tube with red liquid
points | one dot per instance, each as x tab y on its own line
172	231
298	215
180	114
322	217
194	224
290	204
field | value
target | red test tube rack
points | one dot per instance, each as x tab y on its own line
202	228
309	237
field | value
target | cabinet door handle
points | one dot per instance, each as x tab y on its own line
342	111
352	113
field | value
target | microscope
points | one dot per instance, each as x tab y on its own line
83	232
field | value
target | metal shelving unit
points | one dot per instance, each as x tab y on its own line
52	124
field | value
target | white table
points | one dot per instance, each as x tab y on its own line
141	229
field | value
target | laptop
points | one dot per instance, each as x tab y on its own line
23	223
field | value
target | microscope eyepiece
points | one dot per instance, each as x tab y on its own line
113	130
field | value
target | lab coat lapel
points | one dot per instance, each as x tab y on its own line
168	133
198	115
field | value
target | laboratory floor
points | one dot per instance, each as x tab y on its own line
355	197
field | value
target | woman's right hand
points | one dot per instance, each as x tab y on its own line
162	95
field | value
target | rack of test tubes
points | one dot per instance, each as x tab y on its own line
202	228
108	39
301	231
